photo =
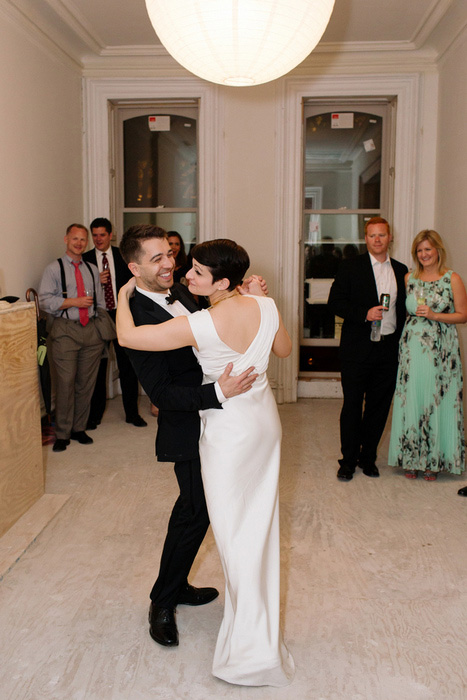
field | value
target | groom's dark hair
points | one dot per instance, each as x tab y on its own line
225	258
130	245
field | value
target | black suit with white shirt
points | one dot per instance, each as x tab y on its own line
368	369
128	378
173	381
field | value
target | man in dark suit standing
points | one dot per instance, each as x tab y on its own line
172	380
113	274
368	368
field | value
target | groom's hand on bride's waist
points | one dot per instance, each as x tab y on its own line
234	385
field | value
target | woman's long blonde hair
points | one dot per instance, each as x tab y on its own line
433	239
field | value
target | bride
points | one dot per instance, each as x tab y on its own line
239	450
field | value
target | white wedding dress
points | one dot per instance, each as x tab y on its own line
240	455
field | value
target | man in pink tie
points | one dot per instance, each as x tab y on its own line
70	292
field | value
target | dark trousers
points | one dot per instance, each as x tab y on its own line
186	530
128	384
368	387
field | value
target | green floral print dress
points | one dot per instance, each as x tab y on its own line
427	422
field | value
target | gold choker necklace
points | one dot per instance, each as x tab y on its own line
227	296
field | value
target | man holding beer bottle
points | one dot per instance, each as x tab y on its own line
369	294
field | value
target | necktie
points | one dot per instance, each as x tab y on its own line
83	313
108	291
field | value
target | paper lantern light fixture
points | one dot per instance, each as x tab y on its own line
239	42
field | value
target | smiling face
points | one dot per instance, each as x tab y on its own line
427	255
76	241
377	239
154	269
200	280
174	243
101	238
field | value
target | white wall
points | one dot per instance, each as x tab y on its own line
451	199
40	151
249	172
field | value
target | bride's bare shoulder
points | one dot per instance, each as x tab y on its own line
239	308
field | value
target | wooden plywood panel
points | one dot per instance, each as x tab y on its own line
21	468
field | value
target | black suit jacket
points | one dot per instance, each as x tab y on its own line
352	294
122	273
172	380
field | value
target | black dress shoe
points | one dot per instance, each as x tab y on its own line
370	470
82	438
60	445
462	491
345	473
91	425
189	595
162	626
138	421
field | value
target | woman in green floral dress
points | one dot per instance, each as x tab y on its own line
427	431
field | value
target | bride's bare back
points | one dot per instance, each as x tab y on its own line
237	321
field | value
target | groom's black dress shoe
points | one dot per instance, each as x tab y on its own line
370	469
345	473
162	626
189	595
462	491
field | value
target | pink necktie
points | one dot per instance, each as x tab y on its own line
108	291
83	313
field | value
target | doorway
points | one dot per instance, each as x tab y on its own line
154	166
348	176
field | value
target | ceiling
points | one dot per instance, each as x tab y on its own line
126	22
86	29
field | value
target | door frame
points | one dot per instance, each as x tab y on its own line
97	92
289	178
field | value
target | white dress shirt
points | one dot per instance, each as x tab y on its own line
386	284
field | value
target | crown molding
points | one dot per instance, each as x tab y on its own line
451	30
69	16
141	50
160	65
430	21
363	46
29	21
381	59
139	66
61	29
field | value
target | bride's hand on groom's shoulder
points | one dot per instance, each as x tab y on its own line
255	284
127	289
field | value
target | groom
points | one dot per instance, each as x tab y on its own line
172	380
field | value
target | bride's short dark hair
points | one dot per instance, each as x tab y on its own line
225	258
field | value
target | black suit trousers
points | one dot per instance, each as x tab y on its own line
368	387
128	384
186	530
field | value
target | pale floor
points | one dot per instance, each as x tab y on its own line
374	578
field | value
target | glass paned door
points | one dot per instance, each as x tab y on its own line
346	181
157	167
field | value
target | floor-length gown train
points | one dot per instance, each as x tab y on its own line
240	456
